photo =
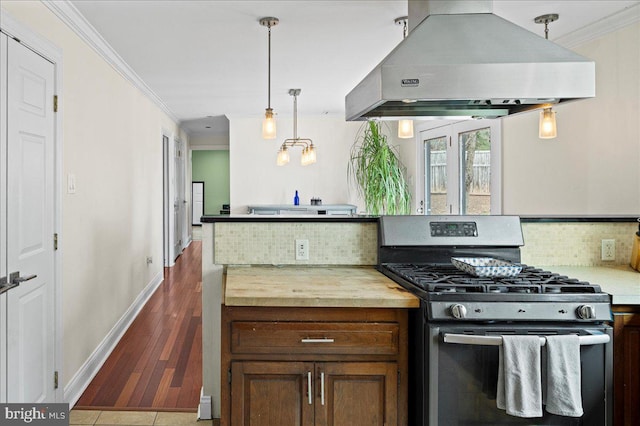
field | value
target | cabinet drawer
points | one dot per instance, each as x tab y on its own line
314	338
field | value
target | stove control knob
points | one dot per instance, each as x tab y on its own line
458	311
586	312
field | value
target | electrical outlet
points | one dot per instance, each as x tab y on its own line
608	249
302	249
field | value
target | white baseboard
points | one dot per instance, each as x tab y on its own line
79	382
204	408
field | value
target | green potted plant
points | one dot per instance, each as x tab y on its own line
378	173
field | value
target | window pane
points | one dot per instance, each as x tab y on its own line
436	175
475	171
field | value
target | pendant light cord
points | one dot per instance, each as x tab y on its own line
269	72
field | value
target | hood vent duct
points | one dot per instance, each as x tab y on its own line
462	61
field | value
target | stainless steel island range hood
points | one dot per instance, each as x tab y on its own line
464	61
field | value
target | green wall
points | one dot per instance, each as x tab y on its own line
212	167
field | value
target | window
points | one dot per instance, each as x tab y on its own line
461	168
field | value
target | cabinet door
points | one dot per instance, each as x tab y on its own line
272	393
626	341
356	394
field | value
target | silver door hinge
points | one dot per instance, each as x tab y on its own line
55	241
55	380
55	103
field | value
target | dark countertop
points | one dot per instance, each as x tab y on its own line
371	218
559	219
288	218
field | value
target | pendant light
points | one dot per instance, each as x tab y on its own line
547	125
269	122
405	127
547	128
308	149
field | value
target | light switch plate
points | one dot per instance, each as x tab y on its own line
71	183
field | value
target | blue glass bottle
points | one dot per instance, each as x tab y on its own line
296	199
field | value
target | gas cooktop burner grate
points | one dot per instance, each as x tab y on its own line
442	278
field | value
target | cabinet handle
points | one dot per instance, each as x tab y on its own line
322	388
322	340
309	388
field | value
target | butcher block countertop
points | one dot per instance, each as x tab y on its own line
327	286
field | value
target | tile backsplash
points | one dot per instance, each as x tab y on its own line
340	243
273	243
575	244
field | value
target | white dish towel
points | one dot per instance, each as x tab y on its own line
519	380
563	391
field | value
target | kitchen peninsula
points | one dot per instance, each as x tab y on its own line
331	324
258	252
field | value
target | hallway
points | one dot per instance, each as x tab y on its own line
157	365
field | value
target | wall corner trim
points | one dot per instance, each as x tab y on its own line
82	378
72	17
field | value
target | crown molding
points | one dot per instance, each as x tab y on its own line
72	17
601	28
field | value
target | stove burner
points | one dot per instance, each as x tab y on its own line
444	278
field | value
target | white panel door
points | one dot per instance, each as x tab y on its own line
197	200
3	218
30	226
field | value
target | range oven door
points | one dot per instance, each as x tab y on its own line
460	378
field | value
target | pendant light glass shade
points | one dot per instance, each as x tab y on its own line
269	125
308	155
312	154
283	156
405	129
547	124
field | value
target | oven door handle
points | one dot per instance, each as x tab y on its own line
470	339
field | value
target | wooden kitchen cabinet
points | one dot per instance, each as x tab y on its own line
271	393
297	393
626	361
357	394
314	366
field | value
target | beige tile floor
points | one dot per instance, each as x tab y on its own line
137	418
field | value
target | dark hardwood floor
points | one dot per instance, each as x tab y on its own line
157	365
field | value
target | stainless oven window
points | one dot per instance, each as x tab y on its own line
462	378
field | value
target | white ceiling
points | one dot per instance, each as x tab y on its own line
209	58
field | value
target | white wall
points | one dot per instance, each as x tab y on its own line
112	143
256	179
593	166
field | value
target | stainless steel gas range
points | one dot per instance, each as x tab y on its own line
456	333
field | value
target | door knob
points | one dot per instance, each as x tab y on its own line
15	278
